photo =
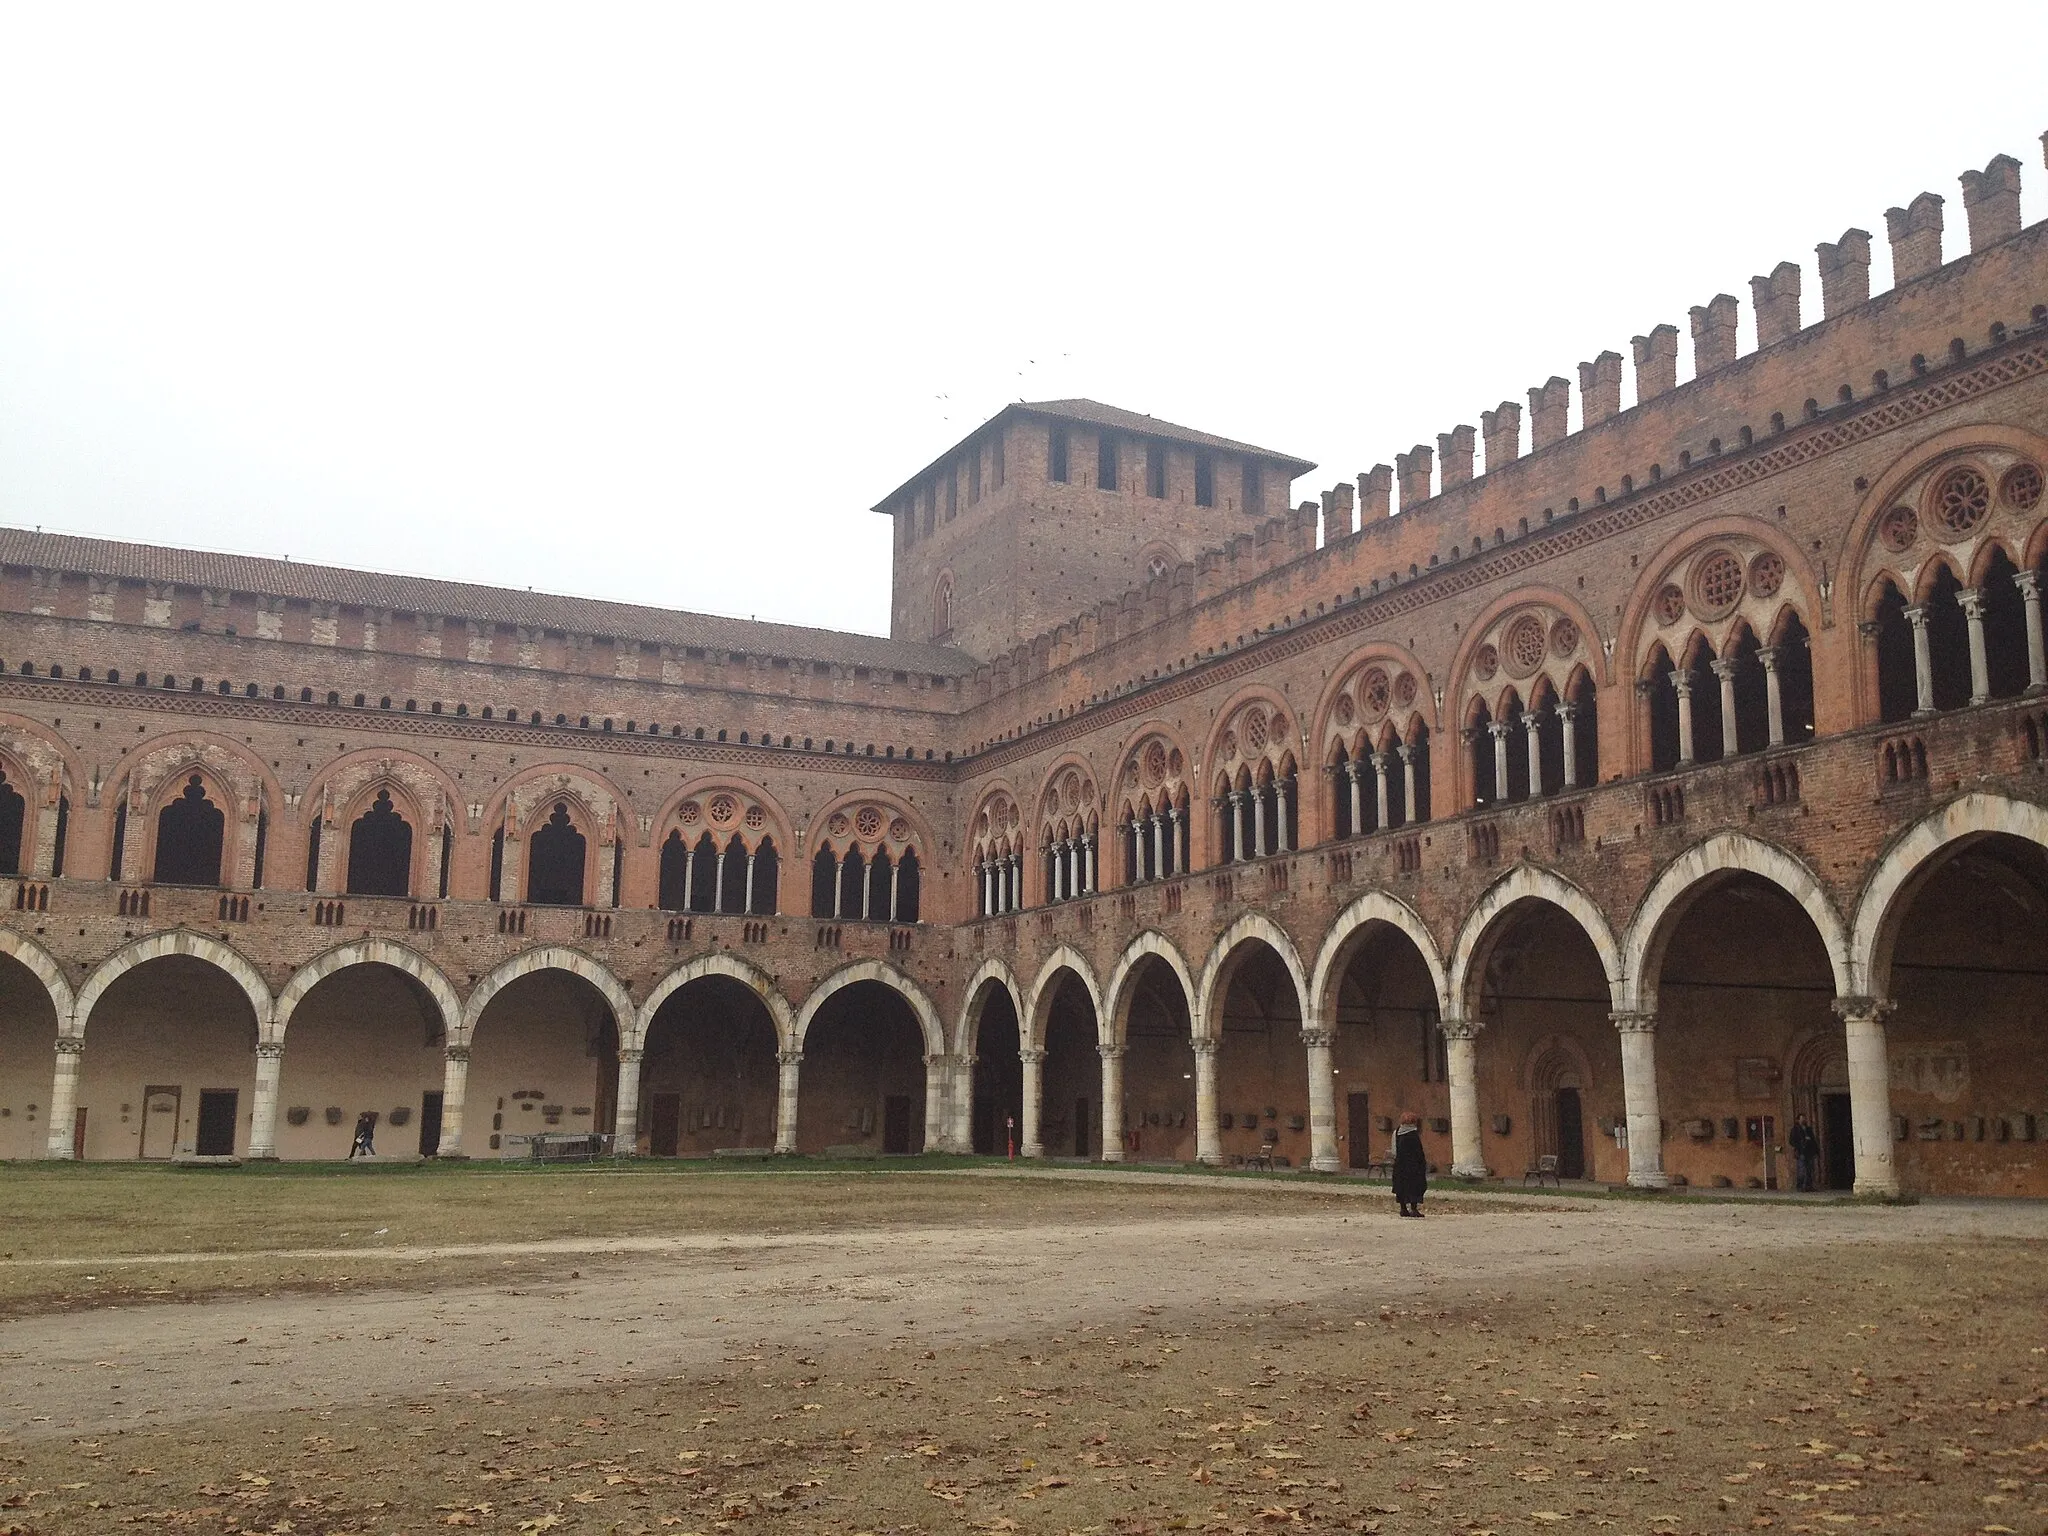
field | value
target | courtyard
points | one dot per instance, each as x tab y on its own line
967	1348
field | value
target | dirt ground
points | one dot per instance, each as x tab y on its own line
1192	1355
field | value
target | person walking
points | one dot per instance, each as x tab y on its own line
1805	1155
1411	1165
364	1143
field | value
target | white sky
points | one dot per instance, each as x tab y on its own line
654	303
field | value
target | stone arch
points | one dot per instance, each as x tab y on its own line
1529	882
634	1027
1066	957
178	941
354	777
1251	693
47	971
775	819
1551	1048
1090	787
875	970
1373	907
530	795
1252	926
1910	860
1325	729
1632	642
367	952
151	765
1117	996
553	957
967	1033
818	833
1453	774
1690	876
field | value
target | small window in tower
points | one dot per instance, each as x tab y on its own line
952	493
995	457
1056	456
1105	462
974	476
1205	481
1252	499
931	508
1155	471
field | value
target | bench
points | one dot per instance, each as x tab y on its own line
564	1146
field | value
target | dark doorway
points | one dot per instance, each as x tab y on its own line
985	1140
1837	1142
380	851
430	1124
13	811
217	1122
1080	1127
1571	1136
557	851
189	833
1357	1131
664	1124
896	1125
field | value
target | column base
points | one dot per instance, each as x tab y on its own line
1659	1180
451	1157
259	1157
1033	1151
1471	1172
1325	1165
1209	1159
1887	1189
1112	1155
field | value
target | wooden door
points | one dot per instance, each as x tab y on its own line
160	1108
1357	1131
430	1124
78	1135
1571	1136
1837	1142
217	1108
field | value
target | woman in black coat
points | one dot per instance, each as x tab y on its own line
1411	1165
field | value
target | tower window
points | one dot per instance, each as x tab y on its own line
1105	462
1155	471
1205	481
1252	497
1056	456
952	492
974	476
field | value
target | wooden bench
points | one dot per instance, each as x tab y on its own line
564	1146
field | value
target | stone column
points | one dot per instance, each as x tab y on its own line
1461	1056
690	880
64	1096
1357	798
962	1132
1208	1137
1259	844
1725	671
981	877
1870	1092
1972	600
626	1116
1568	720
263	1111
1030	1132
1235	799
936	1069
1322	1101
750	880
1409	809
1090	875
1923	660
895	883
790	1067
2029	583
1378	762
1112	1102
1639	1099
1681	683
1532	738
867	887
1498	730
1774	693
718	886
1016	882
1158	825
1175	864
838	887
454	1083
1280	797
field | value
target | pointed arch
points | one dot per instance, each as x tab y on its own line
1043	986
1905	866
967	1033
1530	882
874	970
1251	927
1117	996
1698	870
634	1026
178	941
1374	907
553	957
367	952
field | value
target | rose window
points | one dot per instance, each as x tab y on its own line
1897	529
1404	690
1525	644
1717	583
1564	638
2021	488
1155	763
838	824
899	830
1255	731
1961	500
756	818
1346	710
868	822
1767	574
1670	604
1374	689
722	809
1486	663
688	813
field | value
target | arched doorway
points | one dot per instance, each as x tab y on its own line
1261	1064
1387	1056
368	1038
544	1058
863	1082
1559	1080
996	1114
1070	1113
170	1063
28	1039
708	1075
1819	1080
1156	1119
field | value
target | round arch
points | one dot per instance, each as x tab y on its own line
1689	876
1655	570
1043	987
1252	927
775	824
1910	860
1373	907
816	832
1528	882
554	957
874	970
752	977
967	1033
178	941
1149	944
367	952
1048	783
47	971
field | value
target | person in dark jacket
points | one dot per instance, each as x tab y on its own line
1411	1165
1805	1155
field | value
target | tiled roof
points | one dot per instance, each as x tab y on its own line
1095	414
464	600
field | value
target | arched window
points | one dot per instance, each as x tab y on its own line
767	879
704	874
1343	774
1792	659
557	851
1486	788
675	873
1948	641
2005	627
1412	808
1704	701
825	884
853	876
380	851
876	898
13	814
1584	703
907	882
1897	687
732	880
189	834
1660	695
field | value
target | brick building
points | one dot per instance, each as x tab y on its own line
1681	773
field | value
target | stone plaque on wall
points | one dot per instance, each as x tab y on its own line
1756	1077
1939	1069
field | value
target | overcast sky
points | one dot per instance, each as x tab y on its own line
655	303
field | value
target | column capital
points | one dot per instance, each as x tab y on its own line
630	1054
1915	615
789	1058
1350	768
1567	712
1681	683
1205	1045
1767	658
1318	1039
1634	1023
1532	721
269	1050
1407	752
1461	1029
1723	668
1031	1058
1110	1052
1498	729
967	1059
1869	1009
2029	583
1972	599
455	1052
71	1045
